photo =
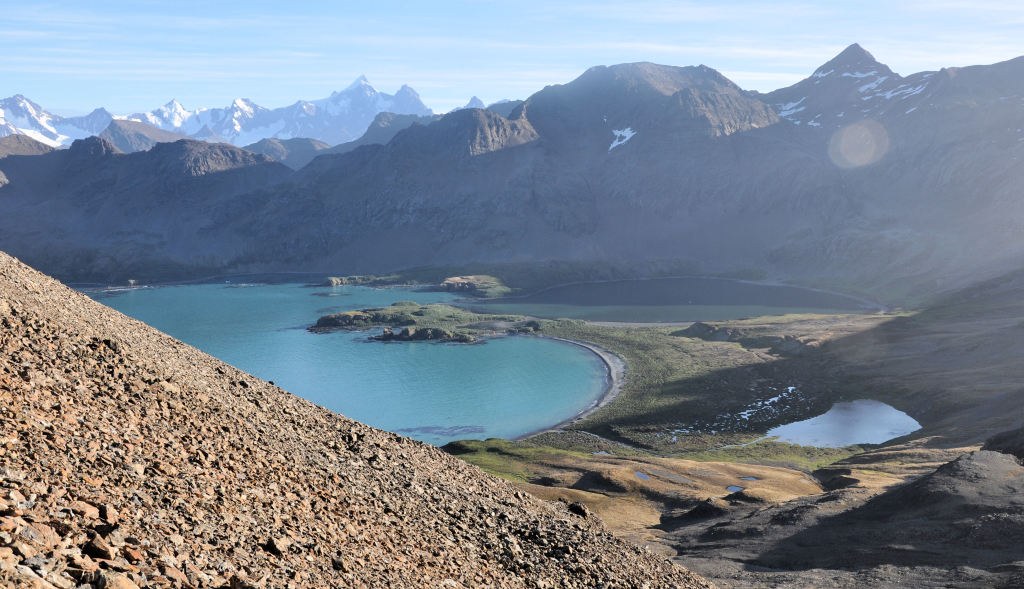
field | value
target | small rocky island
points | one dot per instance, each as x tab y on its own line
406	321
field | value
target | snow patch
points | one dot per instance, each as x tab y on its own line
872	85
621	136
859	74
791	108
904	91
823	74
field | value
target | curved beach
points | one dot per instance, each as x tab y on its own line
615	377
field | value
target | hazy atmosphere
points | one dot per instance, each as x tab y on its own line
134	56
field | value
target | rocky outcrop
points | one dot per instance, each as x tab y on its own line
785	345
128	459
132	136
1011	442
294	153
423	334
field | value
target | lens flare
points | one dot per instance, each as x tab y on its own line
862	143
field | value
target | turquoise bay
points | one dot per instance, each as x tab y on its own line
504	387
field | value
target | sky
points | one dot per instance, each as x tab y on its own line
132	56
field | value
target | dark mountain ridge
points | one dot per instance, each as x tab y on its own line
92	212
22	145
132	136
854	179
294	153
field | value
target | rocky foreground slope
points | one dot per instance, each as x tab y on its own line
128	459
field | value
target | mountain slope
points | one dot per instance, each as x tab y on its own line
294	153
90	212
22	145
643	162
132	460
21	116
132	136
383	128
914	191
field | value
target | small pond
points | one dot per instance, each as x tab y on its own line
845	424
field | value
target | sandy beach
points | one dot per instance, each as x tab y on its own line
614	379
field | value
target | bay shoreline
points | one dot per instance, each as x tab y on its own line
615	376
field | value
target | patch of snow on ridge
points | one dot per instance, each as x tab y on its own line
823	74
621	136
791	108
872	85
859	74
904	91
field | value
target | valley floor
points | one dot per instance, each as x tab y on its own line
667	464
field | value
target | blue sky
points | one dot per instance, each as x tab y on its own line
132	56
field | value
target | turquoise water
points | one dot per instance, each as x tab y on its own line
504	387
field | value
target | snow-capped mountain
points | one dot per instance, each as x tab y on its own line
21	116
474	102
849	87
342	116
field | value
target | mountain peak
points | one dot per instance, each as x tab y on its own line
475	102
852	58
92	147
358	82
244	105
407	90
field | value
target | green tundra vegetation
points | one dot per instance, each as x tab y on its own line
683	389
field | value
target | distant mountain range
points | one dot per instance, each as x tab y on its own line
854	179
343	116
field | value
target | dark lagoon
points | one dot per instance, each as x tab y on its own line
673	300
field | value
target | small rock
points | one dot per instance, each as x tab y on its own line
579	509
59	581
111	580
132	555
109	513
99	548
278	546
85	564
84	509
174	574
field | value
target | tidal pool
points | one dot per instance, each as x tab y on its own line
845	424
